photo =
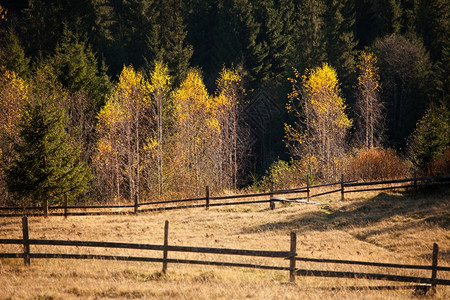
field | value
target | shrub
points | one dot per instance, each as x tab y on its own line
441	166
376	164
285	175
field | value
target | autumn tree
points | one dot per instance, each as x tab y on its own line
108	170
123	125
234	133
160	84
319	103
196	130
368	107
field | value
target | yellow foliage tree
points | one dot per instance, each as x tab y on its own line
160	82
234	134
369	108
196	130
13	93
323	125
124	125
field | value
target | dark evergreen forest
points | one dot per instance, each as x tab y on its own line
263	40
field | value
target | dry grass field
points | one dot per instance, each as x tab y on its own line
392	227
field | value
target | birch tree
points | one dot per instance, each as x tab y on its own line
160	81
369	108
234	134
196	133
319	134
123	125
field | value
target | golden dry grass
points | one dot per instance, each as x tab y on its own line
384	227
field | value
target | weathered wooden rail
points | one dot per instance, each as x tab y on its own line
291	256
343	187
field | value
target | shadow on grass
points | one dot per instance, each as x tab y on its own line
405	210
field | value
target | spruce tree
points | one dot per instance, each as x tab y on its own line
430	138
46	165
276	26
340	40
12	55
166	40
254	51
310	37
434	27
75	66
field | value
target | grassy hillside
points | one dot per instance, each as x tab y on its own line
387	227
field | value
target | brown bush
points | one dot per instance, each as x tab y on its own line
376	164
441	166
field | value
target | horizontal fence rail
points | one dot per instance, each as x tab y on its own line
373	264
205	250
290	256
343	187
385	277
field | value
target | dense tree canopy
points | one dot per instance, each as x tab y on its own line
198	46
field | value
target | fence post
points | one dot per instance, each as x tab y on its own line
342	187
434	264
136	204
26	243
293	254
207	197
166	242
307	187
46	208
65	206
272	203
415	181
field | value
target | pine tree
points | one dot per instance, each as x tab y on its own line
434	26
310	37
254	51
166	40
276	27
45	21
12	56
340	40
76	68
393	16
46	166
430	138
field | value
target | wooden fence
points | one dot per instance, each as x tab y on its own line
291	256
343	187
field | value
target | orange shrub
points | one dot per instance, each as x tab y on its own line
376	164
441	166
